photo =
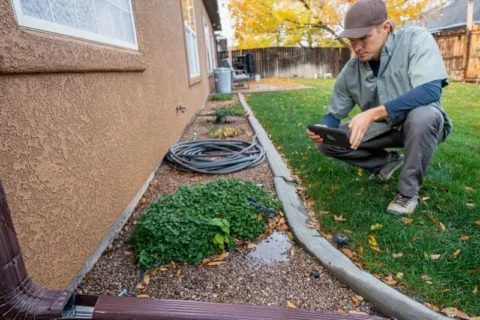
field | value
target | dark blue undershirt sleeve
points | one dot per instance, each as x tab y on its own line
330	121
419	96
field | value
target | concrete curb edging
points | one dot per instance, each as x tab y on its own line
389	301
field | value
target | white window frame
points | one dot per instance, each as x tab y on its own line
43	25
209	46
192	44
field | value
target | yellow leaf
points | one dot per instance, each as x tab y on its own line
259	217
406	220
433	307
163	269
425	277
376	226
477	223
442	226
360	171
464	238
397	255
445	290
146	279
143	296
179	272
221	256
435	256
251	245
216	263
339	218
340	310
390	281
291	305
311	225
375	248
425	254
372	240
399	276
140	286
454	312
292	253
456	253
425	198
475	290
468	189
360	250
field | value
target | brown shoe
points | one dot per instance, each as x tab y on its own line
394	162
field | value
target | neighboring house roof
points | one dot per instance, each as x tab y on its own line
451	16
213	14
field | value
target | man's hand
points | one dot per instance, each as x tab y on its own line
315	137
361	123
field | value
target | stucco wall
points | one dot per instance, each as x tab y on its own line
82	126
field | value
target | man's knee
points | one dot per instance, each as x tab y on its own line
424	119
327	150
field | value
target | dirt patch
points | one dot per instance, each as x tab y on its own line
243	279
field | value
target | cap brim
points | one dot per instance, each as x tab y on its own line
354	33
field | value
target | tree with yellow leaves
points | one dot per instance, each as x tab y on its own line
306	23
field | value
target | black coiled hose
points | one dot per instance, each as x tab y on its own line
215	156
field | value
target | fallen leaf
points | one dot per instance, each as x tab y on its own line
425	198
372	240
311	213
259	217
397	255
477	223
360	298
406	220
251	245
290	235
445	290
470	204
143	296
390	281
326	236
340	310
464	238
312	225
323	212
425	254
433	307
140	286
469	189
474	271
375	248
399	276
205	261
146	279
309	203
291	305
435	256
292	253
355	301
179	272
442	226
216	263
454	312
348	252
360	171
415	239
221	256
475	290
376	226
425	278
456	253
163	269
357	312
376	275
339	219
360	250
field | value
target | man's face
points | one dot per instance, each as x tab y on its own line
369	47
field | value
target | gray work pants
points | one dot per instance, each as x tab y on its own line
421	132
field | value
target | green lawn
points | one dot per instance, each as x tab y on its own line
452	187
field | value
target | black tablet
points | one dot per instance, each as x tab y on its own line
331	136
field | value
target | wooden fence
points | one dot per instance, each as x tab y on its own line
296	62
461	53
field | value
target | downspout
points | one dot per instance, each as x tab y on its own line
20	298
468	35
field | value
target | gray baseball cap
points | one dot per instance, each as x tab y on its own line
362	17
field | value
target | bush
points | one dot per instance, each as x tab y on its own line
199	221
221	97
232	110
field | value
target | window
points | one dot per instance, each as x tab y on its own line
209	44
105	21
191	37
